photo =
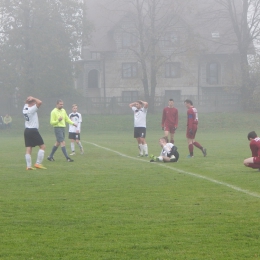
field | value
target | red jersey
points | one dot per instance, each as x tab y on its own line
170	116
255	147
192	118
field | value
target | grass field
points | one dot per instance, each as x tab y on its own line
109	204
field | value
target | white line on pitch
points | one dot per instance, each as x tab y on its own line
181	171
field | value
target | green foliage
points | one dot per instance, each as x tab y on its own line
40	40
109	206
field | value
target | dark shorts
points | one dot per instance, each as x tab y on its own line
60	134
169	128
32	137
139	132
74	136
175	153
194	131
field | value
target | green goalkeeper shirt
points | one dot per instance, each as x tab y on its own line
56	114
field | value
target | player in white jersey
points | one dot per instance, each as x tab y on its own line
140	110
169	152
74	131
32	136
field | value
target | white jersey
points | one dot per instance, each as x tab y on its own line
76	118
166	149
139	117
31	116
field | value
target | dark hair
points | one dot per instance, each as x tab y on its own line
164	138
171	99
58	101
251	135
188	101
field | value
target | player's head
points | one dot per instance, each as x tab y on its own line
74	108
59	104
251	135
188	103
30	101
138	104
163	141
171	102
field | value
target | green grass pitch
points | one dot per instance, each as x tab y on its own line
111	205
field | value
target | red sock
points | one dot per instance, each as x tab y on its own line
254	165
191	149
198	145
172	141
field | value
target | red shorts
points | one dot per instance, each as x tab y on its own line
193	134
169	128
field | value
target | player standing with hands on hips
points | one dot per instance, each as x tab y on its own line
192	126
140	110
74	132
170	120
58	120
32	136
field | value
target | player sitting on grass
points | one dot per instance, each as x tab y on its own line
169	152
254	161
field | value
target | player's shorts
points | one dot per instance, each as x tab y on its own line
169	128
256	160
194	131
74	136
175	153
60	134
139	132
32	137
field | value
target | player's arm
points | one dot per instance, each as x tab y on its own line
132	104
37	101
176	119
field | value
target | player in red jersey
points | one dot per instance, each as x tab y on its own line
192	125
254	161
170	120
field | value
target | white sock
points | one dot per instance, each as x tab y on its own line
145	148
141	149
40	156
28	160
79	144
160	158
72	146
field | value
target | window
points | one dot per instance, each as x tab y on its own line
95	55
170	39
129	70
128	40
129	96
213	73
173	70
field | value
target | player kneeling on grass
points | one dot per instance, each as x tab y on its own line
254	161
169	152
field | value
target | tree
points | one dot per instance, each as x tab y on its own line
149	23
244	17
39	40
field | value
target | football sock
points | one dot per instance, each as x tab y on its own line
254	165
141	149
72	146
145	148
40	156
28	160
79	144
198	145
191	149
54	149
160	158
64	151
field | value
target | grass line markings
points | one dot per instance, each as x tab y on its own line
253	194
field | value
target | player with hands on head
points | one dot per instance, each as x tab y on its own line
169	152
192	126
170	120
140	110
32	136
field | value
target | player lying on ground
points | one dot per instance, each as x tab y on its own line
169	152
254	161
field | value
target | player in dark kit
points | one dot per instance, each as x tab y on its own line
192	126
170	120
254	161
